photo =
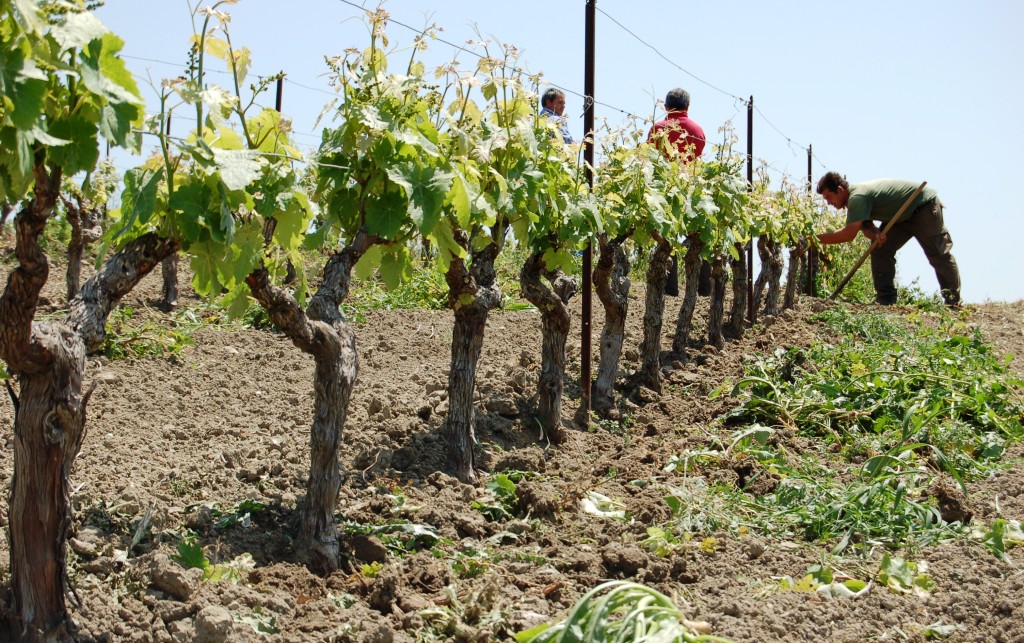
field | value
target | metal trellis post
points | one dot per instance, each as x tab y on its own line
751	314
588	157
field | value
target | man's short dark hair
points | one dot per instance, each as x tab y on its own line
832	181
677	100
550	96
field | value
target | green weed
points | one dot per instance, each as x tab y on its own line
191	555
502	503
620	611
126	340
399	536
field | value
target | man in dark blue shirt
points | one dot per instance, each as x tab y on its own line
552	105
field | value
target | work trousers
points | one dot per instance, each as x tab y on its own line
926	225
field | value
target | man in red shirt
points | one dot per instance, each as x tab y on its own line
680	134
678	130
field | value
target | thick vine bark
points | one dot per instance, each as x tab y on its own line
169	273
654	314
762	276
704	279
611	283
719	277
776	263
738	316
5	211
472	293
693	267
48	361
792	295
322	332
552	302
85	229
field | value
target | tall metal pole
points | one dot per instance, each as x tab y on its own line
810	179
588	157
280	92
750	182
812	253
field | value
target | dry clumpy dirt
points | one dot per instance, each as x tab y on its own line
227	420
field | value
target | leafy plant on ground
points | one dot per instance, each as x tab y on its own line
905	576
259	621
472	563
621	611
901	403
372	570
240	514
191	556
399	536
502	502
824	581
150	339
1001	536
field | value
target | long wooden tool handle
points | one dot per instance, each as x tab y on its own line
874	243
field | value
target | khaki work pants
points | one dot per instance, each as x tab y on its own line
926	225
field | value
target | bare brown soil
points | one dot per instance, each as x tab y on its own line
228	420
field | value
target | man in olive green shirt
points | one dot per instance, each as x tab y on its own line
880	200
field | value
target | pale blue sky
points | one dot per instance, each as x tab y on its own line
921	90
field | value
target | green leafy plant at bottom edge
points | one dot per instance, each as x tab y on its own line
821	580
618	611
191	556
1003	535
261	622
905	576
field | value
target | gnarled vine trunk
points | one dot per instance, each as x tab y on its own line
472	293
48	361
776	263
738	315
704	279
654	314
85	229
169	272
555	323
5	211
719	277
762	276
611	283
792	295
322	332
693	267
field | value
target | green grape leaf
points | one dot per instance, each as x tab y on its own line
31	19
224	233
116	123
238	168
138	201
458	200
559	258
242	256
395	266
291	225
78	30
204	267
95	61
369	262
443	237
426	188
386	214
82	150
28	103
237	301
191	201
